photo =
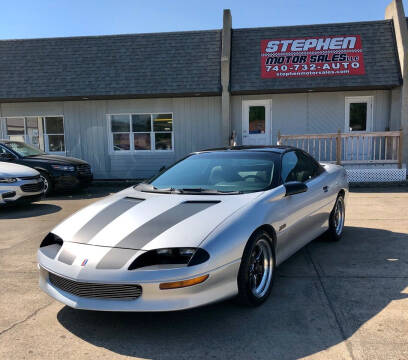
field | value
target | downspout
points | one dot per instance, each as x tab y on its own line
225	78
395	12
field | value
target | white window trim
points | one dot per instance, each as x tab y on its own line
370	111
132	150
46	142
246	104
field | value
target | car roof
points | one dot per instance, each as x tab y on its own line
278	149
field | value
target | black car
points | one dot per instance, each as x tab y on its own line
57	172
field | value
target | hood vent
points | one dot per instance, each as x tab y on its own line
136	200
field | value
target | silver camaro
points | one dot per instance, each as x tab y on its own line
213	226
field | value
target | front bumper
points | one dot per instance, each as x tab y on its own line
15	193
221	284
67	181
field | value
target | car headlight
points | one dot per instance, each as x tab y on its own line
63	167
51	239
7	180
182	256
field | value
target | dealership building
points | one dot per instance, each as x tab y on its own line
130	104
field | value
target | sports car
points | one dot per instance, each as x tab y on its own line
214	225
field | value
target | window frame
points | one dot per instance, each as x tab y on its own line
132	150
44	135
369	100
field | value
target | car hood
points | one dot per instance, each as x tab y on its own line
14	170
145	221
57	159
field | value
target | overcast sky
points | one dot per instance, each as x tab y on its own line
51	18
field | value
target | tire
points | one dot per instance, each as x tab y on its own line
48	185
255	277
336	220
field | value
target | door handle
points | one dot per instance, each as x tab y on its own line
325	188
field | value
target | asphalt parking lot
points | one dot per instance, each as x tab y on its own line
345	300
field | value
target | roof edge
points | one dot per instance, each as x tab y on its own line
313	25
110	97
314	90
111	35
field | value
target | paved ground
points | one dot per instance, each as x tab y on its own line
347	300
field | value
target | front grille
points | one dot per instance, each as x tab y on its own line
84	170
94	290
29	177
33	187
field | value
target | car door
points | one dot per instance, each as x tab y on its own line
305	213
317	181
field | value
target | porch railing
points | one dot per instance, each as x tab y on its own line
350	148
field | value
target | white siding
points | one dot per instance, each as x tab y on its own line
312	112
196	121
395	110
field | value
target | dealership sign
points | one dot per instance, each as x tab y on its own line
312	57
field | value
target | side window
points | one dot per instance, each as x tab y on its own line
4	153
310	168
298	166
290	164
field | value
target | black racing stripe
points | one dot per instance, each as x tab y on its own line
66	257
103	218
150	230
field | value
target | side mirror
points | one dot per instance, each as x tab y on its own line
294	187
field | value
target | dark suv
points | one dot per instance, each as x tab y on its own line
57	172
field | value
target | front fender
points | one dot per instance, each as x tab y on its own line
227	242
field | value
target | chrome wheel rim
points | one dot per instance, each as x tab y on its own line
260	268
45	183
339	216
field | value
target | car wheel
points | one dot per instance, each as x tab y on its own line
257	270
336	220
48	186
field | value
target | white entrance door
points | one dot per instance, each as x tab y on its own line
359	119
256	122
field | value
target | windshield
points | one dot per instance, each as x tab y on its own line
222	171
23	149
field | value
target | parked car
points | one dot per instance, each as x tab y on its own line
214	225
19	184
57	172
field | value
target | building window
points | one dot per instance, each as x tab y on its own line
44	132
257	119
359	113
141	132
54	133
15	128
